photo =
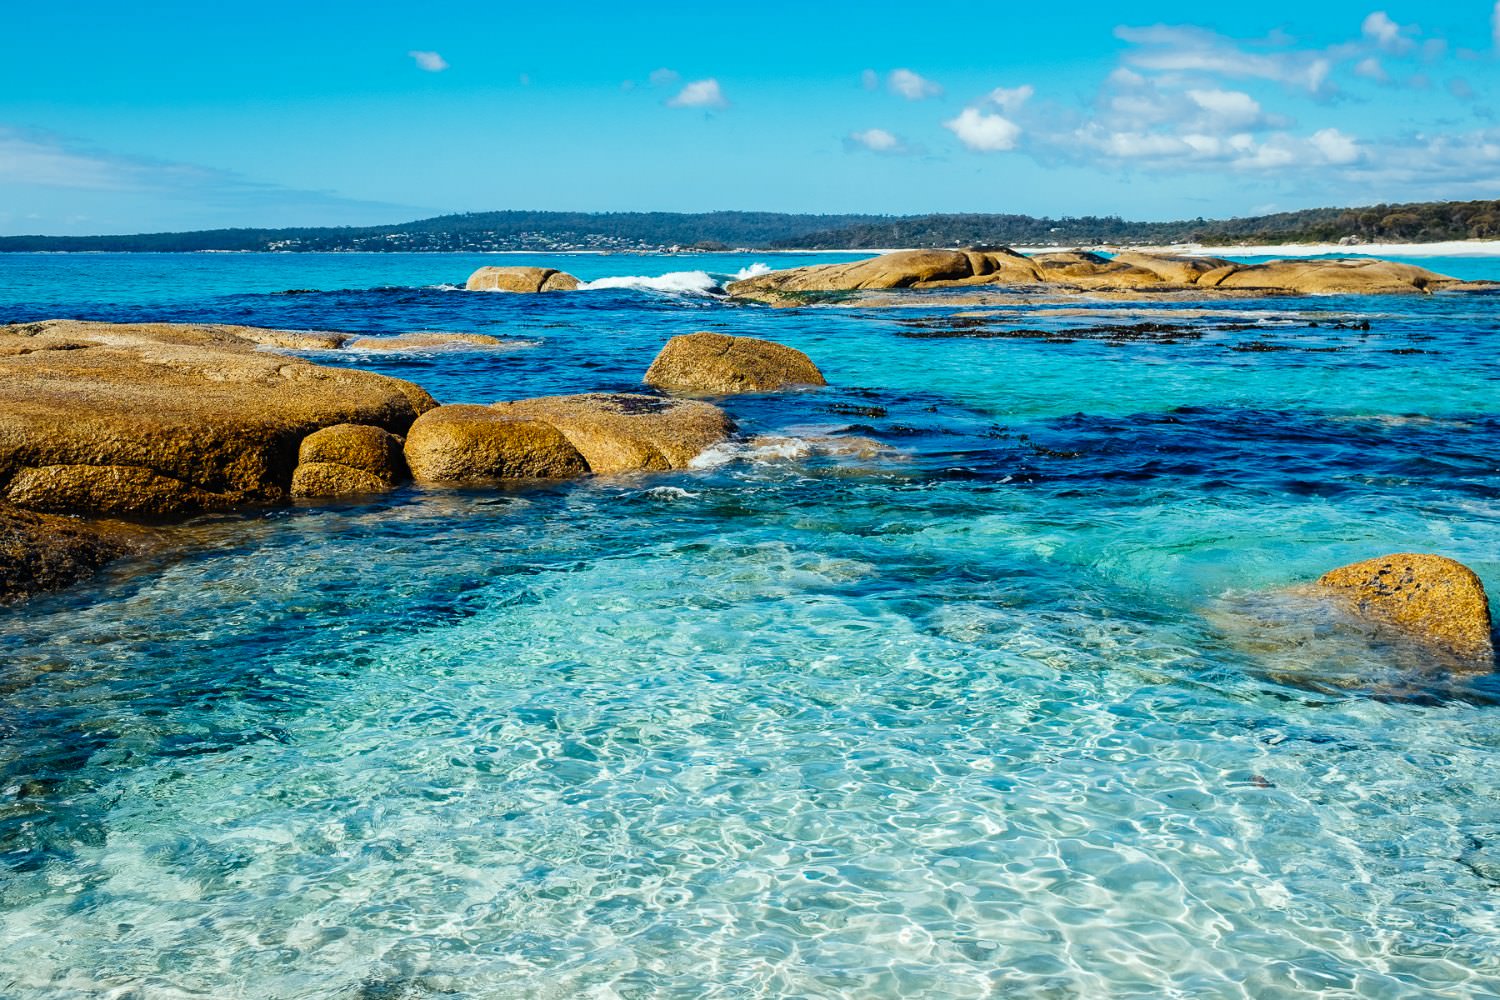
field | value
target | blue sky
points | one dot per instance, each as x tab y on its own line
126	118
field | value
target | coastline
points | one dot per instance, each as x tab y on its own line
1450	248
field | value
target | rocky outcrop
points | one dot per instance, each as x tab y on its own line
521	279
1329	277
1433	598
1077	270
348	459
114	490
40	552
158	420
893	270
456	444
717	364
627	432
1171	269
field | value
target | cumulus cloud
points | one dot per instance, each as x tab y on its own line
1335	147
877	140
1010	99
664	77
1384	33
912	86
700	94
431	62
984	133
1185	98
1130	102
1371	69
1228	110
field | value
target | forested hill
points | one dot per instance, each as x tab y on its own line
651	231
480	231
1426	222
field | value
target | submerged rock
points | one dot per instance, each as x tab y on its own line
40	552
627	432
156	420
346	459
718	364
521	279
454	444
854	446
1435	599
424	340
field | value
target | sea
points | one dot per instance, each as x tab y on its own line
1020	695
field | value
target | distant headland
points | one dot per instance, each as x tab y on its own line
656	232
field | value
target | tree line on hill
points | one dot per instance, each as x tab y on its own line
1425	222
652	231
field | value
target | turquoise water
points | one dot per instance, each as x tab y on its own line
1018	707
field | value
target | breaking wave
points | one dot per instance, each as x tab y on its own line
700	283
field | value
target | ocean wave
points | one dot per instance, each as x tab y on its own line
698	283
674	283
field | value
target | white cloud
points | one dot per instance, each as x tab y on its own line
1371	69
869	79
1166	48
1379	29
984	133
664	77
878	140
1229	110
45	161
429	61
1130	102
700	94
1495	24
1336	148
912	86
1011	99
1241	151
40	167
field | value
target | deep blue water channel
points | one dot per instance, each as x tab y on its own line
1012	709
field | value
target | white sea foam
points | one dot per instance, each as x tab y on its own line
768	448
669	493
717	455
674	283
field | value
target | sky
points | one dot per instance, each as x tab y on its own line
120	118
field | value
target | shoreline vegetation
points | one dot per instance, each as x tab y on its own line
1342	229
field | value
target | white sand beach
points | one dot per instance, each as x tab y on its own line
1451	248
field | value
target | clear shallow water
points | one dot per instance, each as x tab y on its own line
999	714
